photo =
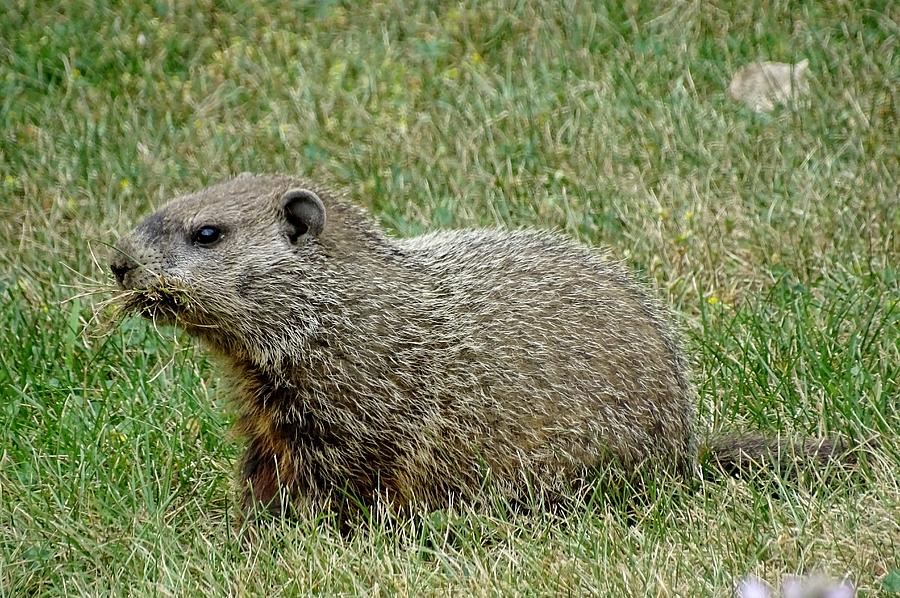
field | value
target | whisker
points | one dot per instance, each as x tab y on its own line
81	295
82	275
94	259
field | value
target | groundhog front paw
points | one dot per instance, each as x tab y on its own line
264	485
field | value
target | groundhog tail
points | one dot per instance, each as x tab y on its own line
746	454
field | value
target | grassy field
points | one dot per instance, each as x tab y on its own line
775	237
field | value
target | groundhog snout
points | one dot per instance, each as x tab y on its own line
122	262
121	266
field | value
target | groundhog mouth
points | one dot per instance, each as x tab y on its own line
163	306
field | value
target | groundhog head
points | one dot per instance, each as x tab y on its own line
239	264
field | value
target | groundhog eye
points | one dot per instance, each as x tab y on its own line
206	235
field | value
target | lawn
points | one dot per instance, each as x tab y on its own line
774	237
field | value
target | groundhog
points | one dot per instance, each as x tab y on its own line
418	371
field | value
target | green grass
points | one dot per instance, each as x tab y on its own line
776	239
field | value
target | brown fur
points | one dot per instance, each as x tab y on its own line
413	370
746	454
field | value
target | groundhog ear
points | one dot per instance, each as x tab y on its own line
304	212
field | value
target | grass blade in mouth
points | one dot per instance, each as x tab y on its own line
161	304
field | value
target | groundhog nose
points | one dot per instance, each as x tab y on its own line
120	268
